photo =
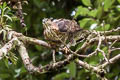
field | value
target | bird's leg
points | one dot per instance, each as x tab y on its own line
53	55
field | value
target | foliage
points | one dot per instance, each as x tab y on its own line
90	14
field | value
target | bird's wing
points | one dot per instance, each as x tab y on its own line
66	25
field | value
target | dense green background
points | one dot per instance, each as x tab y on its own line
88	12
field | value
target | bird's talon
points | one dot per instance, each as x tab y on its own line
65	49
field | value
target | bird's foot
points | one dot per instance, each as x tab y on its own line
66	50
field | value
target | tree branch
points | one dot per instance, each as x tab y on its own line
7	47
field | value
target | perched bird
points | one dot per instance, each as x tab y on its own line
59	31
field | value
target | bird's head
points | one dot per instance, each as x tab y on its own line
49	24
46	23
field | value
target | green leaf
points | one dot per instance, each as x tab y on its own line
72	68
107	26
98	3
6	62
118	1
13	58
93	62
99	12
86	22
6	8
8	17
23	70
93	13
4	4
100	54
61	76
108	4
79	46
81	11
102	28
87	2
